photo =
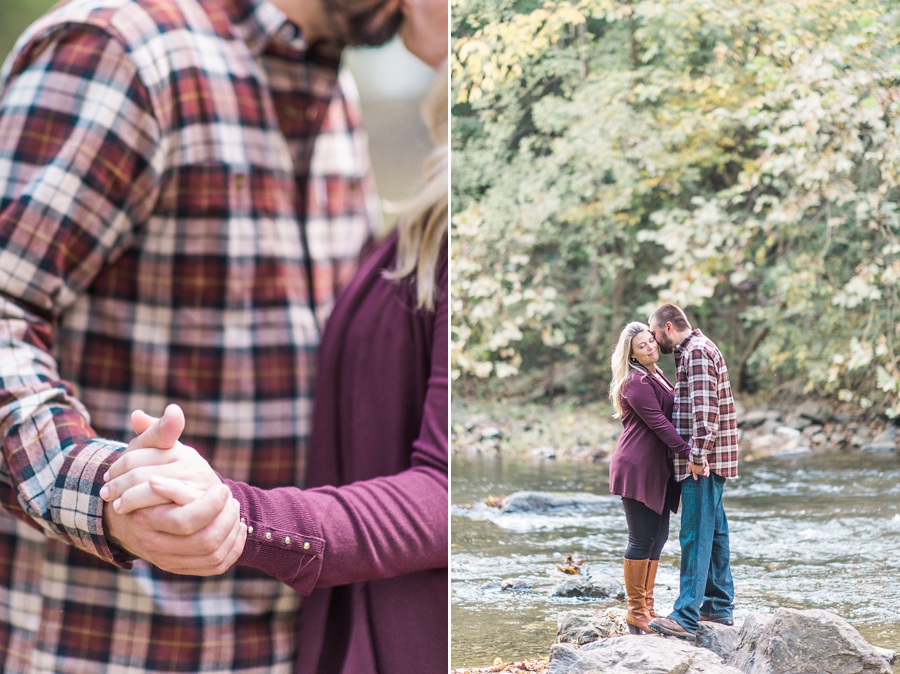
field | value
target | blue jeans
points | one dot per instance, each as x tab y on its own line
706	584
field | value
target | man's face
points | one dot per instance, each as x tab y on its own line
666	344
364	22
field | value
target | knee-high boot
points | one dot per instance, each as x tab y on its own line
649	584
635	578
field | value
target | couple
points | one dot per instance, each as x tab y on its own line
672	433
184	193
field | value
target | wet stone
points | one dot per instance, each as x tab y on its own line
514	585
596	588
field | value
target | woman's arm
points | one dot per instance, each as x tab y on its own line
325	536
375	528
641	397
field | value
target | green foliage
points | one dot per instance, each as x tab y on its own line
737	158
17	16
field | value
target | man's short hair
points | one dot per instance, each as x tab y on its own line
669	313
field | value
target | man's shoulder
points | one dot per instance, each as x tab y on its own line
133	23
701	345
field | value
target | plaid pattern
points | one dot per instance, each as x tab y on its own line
154	158
704	413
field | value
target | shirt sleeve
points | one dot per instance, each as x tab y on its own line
642	399
77	143
702	387
371	529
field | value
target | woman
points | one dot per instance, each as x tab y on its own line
367	539
641	467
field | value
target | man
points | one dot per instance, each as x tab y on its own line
163	237
704	415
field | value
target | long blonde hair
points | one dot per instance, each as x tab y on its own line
622	365
423	222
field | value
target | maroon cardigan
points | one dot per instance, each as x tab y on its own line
641	466
373	520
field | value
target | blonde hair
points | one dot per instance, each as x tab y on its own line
423	221
622	365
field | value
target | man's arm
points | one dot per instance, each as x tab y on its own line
78	146
704	399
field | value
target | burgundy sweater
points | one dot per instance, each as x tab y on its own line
642	463
367	539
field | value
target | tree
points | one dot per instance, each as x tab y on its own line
738	158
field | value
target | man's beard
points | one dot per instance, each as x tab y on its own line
364	27
665	346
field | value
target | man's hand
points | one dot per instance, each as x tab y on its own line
197	536
156	451
697	471
190	525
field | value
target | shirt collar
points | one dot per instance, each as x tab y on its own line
258	23
679	349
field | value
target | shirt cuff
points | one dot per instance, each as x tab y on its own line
277	545
697	458
76	509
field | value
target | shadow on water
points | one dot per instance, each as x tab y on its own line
813	532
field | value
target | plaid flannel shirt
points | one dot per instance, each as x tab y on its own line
184	187
704	413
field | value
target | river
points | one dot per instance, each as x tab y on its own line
811	532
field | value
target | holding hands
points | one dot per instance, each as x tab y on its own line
166	505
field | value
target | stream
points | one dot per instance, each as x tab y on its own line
810	532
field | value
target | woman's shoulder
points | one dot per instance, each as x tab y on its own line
635	380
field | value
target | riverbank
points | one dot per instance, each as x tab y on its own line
574	429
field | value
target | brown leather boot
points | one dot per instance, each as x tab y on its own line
635	576
649	584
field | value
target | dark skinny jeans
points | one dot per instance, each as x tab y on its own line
647	530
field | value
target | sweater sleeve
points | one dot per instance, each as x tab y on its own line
642	399
370	529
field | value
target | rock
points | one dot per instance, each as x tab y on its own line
887	654
884	443
515	585
798	423
720	639
636	654
543	453
596	588
491	432
583	626
753	418
785	441
490	586
804	642
819	413
541	502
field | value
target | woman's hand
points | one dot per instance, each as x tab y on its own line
127	486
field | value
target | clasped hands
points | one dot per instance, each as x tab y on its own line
165	504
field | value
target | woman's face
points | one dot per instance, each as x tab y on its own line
424	29
644	348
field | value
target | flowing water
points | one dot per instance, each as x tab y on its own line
812	532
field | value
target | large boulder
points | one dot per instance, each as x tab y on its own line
584	626
804	642
542	502
636	655
720	639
